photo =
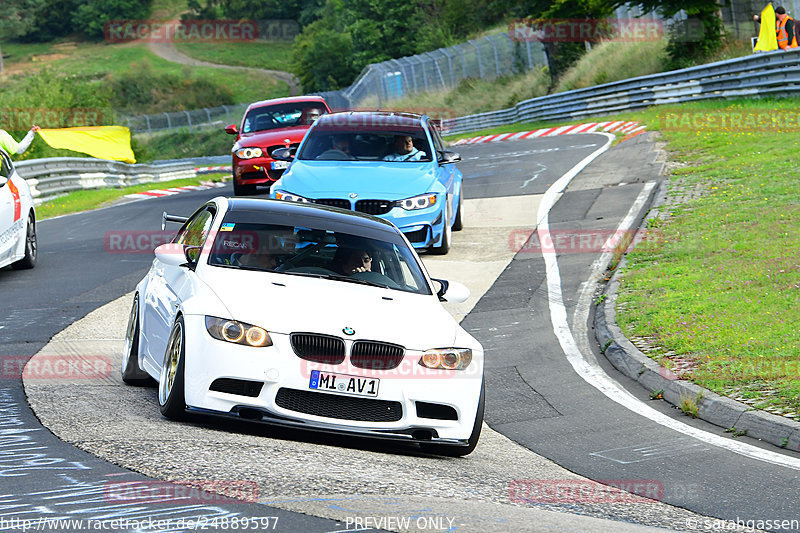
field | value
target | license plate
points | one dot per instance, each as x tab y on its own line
344	384
279	165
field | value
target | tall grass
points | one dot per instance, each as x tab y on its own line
178	145
142	81
473	95
614	61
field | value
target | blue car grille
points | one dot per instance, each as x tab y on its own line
374	207
334	202
341	407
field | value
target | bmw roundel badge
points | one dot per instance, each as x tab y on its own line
353	195
348	331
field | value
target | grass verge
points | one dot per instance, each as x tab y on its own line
273	55
714	288
95	67
78	201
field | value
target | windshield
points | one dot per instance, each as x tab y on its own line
303	251
281	116
406	145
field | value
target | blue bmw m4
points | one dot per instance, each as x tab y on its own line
392	165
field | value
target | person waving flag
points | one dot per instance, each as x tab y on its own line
11	147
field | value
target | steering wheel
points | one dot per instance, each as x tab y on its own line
334	155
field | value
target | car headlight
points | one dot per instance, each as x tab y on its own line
280	195
447	358
249	152
237	332
418	202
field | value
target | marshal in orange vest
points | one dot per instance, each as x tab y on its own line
784	29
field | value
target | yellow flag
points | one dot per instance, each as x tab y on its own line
103	142
767	40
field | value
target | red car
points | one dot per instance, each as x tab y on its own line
267	125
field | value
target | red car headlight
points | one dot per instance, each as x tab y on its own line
249	152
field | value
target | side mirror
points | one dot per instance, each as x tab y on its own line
174	254
452	291
232	130
446	156
284	154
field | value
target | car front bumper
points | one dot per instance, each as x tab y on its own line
276	368
256	171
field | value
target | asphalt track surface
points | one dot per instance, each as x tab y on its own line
533	395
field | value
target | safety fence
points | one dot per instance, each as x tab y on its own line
489	57
55	176
185	120
764	74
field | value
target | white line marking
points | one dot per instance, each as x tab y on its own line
582	360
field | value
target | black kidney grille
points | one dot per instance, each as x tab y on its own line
374	207
274	147
375	355
318	348
241	387
340	407
334	202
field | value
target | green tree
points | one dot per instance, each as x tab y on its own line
692	40
51	20
210	9
263	9
91	16
348	36
323	57
16	18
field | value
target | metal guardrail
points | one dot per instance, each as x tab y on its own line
54	176
764	74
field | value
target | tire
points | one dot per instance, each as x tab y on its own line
460	451
243	190
171	384
458	224
31	247
444	247
132	374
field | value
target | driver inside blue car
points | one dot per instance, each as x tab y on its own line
404	150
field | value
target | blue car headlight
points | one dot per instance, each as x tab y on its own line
249	152
289	197
417	202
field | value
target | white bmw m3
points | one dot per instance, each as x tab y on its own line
309	317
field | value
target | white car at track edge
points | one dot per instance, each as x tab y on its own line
308	317
18	245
